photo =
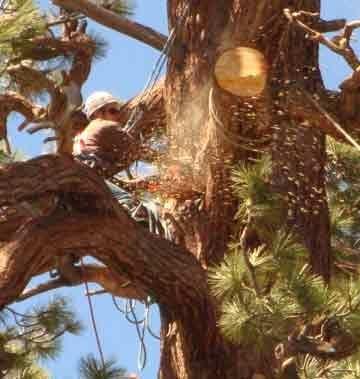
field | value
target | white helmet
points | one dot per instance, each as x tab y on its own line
97	100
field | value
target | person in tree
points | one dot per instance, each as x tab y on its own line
103	141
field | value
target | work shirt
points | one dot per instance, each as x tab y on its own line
107	141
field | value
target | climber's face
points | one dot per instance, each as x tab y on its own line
108	112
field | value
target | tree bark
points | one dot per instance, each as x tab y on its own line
209	130
202	123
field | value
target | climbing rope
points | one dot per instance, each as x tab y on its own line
338	127
142	326
138	110
92	316
93	322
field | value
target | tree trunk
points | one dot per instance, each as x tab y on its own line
204	147
209	131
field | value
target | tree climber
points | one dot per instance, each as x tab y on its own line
103	141
105	146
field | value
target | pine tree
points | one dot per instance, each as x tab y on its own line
287	286
91	368
34	336
270	299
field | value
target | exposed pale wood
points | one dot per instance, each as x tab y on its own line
241	71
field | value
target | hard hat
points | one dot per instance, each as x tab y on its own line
97	100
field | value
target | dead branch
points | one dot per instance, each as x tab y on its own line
339	44
14	102
63	111
327	26
110	19
26	76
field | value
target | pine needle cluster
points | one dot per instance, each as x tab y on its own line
26	338
20	22
92	368
267	292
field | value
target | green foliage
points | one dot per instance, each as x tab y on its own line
226	280
313	368
92	368
268	292
35	335
343	191
252	187
21	22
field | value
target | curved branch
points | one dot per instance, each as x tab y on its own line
153	265
339	44
21	181
23	74
14	102
110	19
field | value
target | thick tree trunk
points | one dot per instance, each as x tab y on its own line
209	130
207	149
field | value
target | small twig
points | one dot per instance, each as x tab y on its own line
349	29
41	288
50	139
324	26
246	252
7	146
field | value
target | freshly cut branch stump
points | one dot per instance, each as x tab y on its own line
241	71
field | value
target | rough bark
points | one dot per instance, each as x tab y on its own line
208	131
203	130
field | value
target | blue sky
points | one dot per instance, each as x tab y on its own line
124	72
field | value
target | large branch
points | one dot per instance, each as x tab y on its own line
48	174
110	19
153	265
